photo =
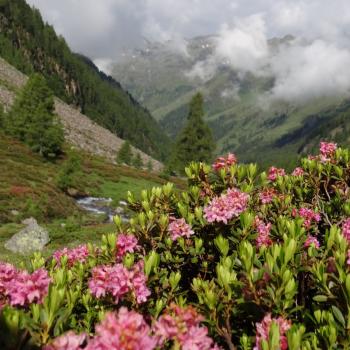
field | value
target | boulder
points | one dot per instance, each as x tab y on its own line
31	239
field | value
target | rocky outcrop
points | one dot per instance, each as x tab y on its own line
31	239
80	131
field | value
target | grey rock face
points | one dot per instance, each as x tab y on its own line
31	239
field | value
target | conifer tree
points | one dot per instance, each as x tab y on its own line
195	142
124	155
32	118
2	116
137	161
149	165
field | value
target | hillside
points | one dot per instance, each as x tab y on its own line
163	79
31	45
80	131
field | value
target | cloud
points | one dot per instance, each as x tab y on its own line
314	65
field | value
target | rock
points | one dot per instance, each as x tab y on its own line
29	240
14	212
72	192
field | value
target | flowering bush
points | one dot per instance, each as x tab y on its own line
239	260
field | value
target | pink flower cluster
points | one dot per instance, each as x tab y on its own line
275	172
266	196
78	254
346	229
182	325
311	240
263	229
116	280
327	150
227	206
179	228
126	244
67	341
225	162
126	330
298	172
19	288
308	215
263	330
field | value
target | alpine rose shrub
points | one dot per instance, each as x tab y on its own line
179	228
227	206
238	260
126	244
263	330
275	172
225	162
21	288
78	254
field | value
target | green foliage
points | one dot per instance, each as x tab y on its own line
124	155
70	172
32	119
74	78
255	276
195	142
2	116
137	161
150	166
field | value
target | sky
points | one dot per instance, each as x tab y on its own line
315	64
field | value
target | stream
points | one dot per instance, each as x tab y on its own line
100	205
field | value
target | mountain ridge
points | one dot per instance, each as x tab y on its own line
31	45
80	130
238	111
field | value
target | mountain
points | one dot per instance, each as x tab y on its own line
31	45
164	78
80	131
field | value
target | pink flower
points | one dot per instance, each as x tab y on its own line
126	244
126	330
227	206
263	229
223	162
327	149
345	230
308	215
24	288
138	281
8	273
266	196
183	326
275	172
298	172
263	330
78	254
311	240
179	228
67	341
117	280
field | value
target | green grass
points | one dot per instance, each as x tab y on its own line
28	189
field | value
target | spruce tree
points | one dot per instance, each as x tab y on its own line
137	161
32	118
149	165
124	155
195	142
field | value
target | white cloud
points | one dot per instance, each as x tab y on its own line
315	65
245	44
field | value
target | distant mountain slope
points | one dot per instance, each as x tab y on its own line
80	131
30	45
164	80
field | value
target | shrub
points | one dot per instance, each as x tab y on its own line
240	260
69	173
